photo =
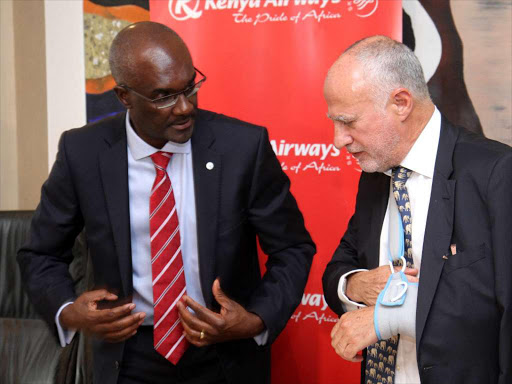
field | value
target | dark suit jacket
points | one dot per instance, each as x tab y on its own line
244	196
464	308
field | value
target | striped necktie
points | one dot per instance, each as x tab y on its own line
166	264
381	356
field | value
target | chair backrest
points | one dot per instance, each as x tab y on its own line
14	229
29	351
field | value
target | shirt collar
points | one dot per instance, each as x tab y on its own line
140	149
422	156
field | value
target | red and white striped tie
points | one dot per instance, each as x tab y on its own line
166	264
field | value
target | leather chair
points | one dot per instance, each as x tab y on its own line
29	349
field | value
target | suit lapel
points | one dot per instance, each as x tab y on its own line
207	168
114	175
439	226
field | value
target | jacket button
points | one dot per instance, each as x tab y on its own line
116	364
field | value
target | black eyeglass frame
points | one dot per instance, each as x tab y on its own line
194	87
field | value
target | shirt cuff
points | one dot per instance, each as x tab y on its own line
262	338
348	305
65	335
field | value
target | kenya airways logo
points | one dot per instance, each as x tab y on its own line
365	8
185	9
182	10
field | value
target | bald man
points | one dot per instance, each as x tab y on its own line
172	199
421	277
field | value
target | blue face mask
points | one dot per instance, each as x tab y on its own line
394	292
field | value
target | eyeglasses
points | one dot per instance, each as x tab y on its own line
171	100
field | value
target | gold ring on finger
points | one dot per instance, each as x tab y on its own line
201	337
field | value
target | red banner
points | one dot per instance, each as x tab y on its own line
266	61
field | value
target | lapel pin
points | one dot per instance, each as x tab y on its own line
445	257
209	165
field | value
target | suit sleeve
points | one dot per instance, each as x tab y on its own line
499	198
44	260
345	258
275	216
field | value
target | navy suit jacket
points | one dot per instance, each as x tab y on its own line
244	197
464	307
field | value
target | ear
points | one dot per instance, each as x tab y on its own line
402	103
123	96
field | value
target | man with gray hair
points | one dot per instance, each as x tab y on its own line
426	258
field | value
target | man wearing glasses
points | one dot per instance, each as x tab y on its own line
172	199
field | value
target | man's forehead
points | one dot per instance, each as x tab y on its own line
157	72
163	59
344	104
165	52
347	73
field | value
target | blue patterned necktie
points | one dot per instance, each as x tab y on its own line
381	356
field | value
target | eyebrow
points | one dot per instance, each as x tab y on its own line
341	118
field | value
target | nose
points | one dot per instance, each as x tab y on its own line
183	106
341	136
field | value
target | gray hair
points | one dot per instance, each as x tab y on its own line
390	65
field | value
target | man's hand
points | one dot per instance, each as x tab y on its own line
364	287
113	325
233	321
353	332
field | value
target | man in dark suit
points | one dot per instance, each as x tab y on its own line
223	189
455	326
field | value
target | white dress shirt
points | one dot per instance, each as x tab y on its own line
421	161
141	176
